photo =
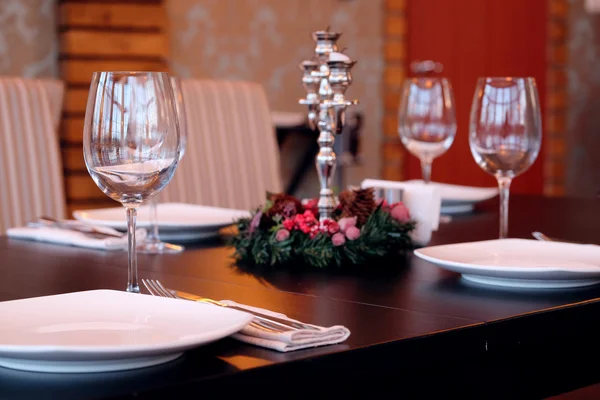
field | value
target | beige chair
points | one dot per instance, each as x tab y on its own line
31	180
231	158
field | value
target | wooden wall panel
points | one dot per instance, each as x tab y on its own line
80	187
71	132
72	158
79	71
113	44
126	16
76	100
98	35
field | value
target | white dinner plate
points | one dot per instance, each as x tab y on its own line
461	199
519	262
176	221
107	330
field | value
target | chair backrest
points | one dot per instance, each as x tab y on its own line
31	183
231	158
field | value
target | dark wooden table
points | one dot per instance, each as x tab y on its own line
417	331
591	392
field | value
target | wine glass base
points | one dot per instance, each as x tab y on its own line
159	248
133	289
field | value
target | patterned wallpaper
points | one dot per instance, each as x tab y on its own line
28	42
265	40
583	116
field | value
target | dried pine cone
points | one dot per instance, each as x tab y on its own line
359	203
346	202
364	205
284	204
346	199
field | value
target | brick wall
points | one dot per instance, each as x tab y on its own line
394	44
555	114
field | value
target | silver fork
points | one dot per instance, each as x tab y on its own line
267	319
157	289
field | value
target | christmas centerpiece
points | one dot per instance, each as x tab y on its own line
287	232
351	228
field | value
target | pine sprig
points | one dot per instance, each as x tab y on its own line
381	236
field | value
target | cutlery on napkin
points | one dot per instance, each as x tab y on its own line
74	233
289	340
287	334
424	203
76	226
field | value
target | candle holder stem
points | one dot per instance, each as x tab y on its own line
326	163
325	79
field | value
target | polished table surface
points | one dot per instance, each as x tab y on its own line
407	320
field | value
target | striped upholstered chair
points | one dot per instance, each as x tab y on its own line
231	156
31	183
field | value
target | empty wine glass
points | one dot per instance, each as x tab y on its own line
131	142
505	133
426	119
153	244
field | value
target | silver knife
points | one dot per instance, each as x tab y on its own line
51	222
263	317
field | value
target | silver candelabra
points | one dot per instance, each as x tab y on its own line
325	78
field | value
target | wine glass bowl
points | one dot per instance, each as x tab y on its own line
181	114
153	244
505	132
135	182
427	119
131	142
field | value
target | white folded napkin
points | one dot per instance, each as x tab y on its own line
289	340
73	238
423	201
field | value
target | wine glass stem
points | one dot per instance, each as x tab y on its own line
426	170
153	234
504	188
132	273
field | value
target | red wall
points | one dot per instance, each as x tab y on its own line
474	38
